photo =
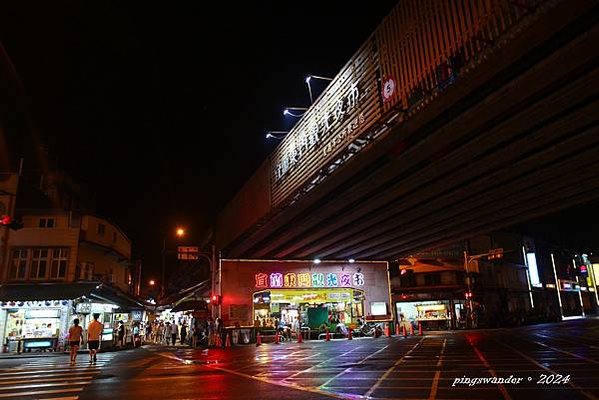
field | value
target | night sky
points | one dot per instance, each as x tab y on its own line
160	109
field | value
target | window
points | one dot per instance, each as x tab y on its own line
60	258
39	264
101	229
47	223
18	264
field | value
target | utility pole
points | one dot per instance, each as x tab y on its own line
492	254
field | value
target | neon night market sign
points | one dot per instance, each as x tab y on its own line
307	280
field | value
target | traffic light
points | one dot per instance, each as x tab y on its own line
495	254
216	299
468	295
7	221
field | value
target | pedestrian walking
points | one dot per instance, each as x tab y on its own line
174	332
136	338
183	332
121	333
94	330
75	338
149	332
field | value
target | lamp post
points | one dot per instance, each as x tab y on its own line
179	232
309	78
276	134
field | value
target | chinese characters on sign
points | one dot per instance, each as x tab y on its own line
322	122
307	280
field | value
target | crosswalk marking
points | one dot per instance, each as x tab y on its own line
49	378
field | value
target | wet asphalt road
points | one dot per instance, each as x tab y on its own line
556	361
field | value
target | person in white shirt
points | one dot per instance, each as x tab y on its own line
174	332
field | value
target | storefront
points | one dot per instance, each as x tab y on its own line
33	325
260	293
431	315
35	317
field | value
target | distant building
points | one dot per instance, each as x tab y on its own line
532	281
61	246
64	263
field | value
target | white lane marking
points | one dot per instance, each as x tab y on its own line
384	376
38	392
532	360
348	369
42	385
41	379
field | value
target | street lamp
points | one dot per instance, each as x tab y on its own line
289	111
276	134
309	78
152	282
179	232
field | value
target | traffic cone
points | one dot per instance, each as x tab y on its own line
219	342
419	328
403	328
277	338
349	335
228	341
258	339
387	330
411	329
327	338
300	338
397	330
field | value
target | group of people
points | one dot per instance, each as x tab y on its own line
168	332
94	332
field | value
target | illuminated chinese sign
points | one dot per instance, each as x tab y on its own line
330	130
308	280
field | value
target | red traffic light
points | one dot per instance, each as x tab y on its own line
215	299
468	295
5	220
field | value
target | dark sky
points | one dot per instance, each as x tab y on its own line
160	108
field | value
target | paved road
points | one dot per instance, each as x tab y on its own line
434	366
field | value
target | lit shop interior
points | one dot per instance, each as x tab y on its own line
431	314
314	307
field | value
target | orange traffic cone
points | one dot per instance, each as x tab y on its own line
397	330
419	328
387	330
300	338
411	329
349	335
327	338
258	339
403	328
277	340
228	341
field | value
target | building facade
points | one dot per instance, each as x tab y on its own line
532	281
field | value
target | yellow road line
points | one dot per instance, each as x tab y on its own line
435	384
382	378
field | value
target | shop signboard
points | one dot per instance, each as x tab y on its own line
83	308
136	315
308	280
345	111
43	313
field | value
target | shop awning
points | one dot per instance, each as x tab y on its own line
68	291
189	305
45	291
